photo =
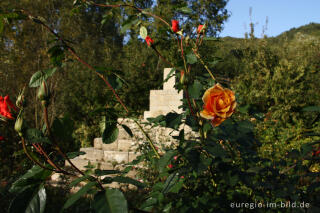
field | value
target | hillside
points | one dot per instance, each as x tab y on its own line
312	29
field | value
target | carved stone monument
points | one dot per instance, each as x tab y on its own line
123	150
166	100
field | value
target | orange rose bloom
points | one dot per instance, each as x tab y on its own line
219	104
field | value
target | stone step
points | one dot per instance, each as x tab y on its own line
92	154
98	144
81	163
125	145
123	133
116	157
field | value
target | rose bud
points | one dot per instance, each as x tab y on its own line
201	29
182	77
175	26
19	125
42	94
149	41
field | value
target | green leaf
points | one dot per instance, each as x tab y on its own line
127	129
143	32
195	89
216	150
36	136
149	203
244	109
40	76
99	172
185	10
121	179
191	58
57	54
111	131
170	74
31	200
79	180
132	20
157	119
32	177
190	121
171	181
115	81
72	155
110	134
38	202
110	201
165	159
173	120
311	109
75	197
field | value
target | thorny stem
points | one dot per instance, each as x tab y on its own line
202	62
189	103
149	139
31	158
91	68
195	51
42	152
45	111
107	83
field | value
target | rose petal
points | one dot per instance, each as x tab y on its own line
205	114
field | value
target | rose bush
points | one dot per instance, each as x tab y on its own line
205	173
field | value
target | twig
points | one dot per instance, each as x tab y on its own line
31	158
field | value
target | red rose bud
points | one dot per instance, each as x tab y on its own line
149	41
6	107
1	138
182	177
182	77
201	29
170	166
175	25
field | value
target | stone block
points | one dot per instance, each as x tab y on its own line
92	154
111	146
56	177
97	143
126	145
78	162
123	134
133	156
104	166
115	156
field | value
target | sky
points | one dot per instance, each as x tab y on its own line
282	16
